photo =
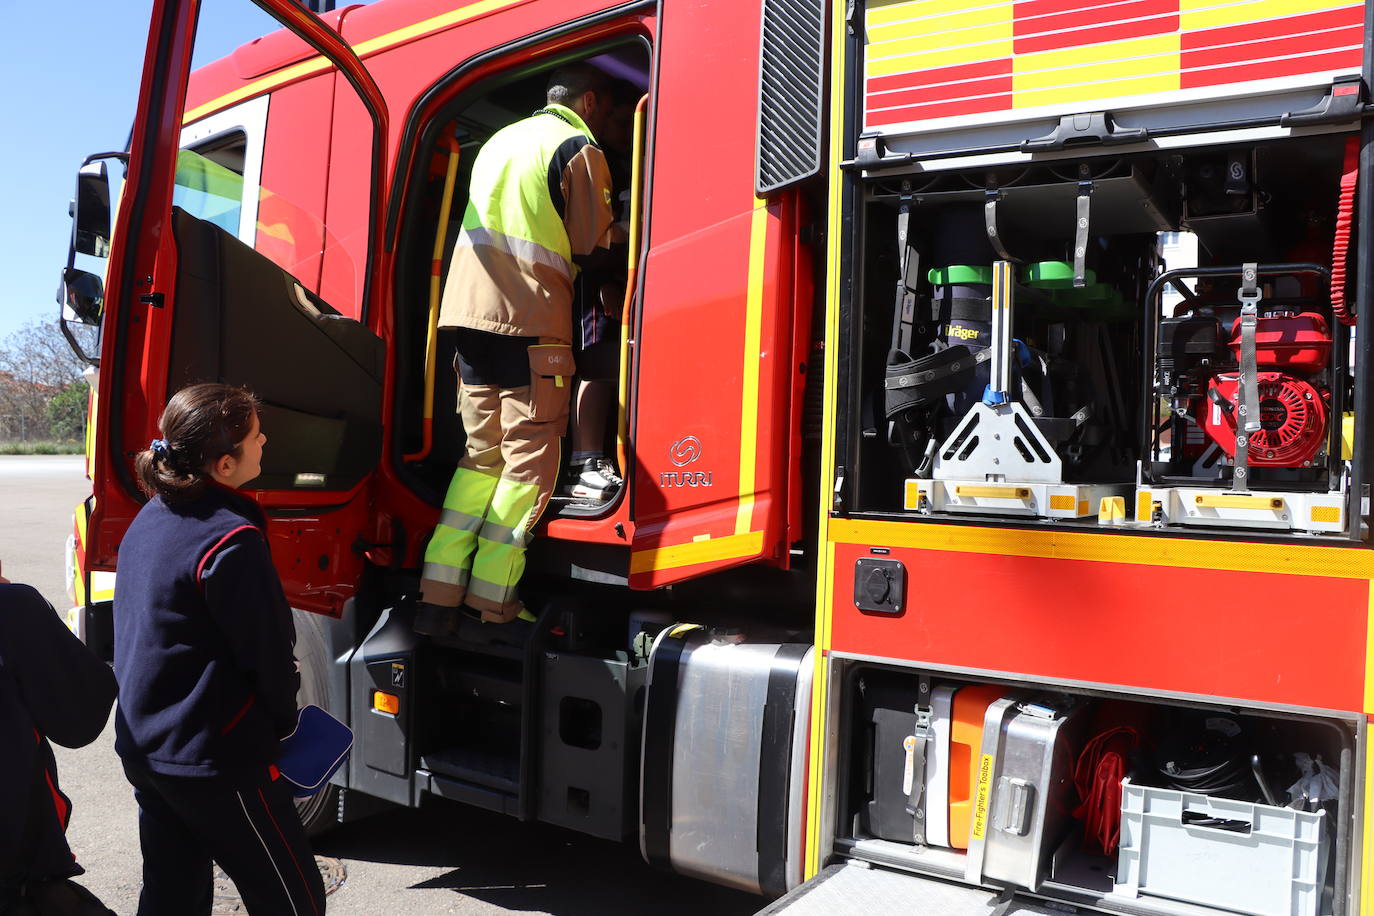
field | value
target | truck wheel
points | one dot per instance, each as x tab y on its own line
319	812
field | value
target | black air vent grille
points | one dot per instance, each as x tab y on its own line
791	92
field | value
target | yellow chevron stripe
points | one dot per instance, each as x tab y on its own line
710	550
1211	14
880	14
816	775
749	372
993	44
1131	67
1369	657
958	27
1113	547
1367	865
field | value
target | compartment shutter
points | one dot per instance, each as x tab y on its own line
791	92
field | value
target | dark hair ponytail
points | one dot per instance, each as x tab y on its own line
200	424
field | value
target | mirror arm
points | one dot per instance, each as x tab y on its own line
76	345
96	157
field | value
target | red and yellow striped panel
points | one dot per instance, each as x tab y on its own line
929	59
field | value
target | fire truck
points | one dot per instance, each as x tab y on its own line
991	409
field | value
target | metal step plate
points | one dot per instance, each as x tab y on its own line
858	889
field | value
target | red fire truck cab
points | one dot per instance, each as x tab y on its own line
283	225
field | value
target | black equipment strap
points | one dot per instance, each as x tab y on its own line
904	308
990	198
660	725
922	381
917	754
775	768
1080	230
1248	418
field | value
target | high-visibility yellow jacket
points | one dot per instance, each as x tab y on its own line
540	196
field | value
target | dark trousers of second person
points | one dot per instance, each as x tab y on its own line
252	832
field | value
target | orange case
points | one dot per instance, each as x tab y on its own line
965	744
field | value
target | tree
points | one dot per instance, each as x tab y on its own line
67	413
36	365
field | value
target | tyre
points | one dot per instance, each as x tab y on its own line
319	812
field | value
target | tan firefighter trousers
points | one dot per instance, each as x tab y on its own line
501	487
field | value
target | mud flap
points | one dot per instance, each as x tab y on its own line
855	888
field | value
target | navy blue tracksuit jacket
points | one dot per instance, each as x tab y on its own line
203	640
51	687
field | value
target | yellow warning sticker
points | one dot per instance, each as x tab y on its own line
980	801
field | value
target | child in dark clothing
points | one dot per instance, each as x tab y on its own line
207	680
51	687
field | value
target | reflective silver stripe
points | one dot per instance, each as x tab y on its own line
490	591
503	534
449	575
516	248
270	858
460	521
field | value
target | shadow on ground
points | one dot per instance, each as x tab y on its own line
528	867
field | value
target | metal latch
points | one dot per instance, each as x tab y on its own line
1247	412
914	772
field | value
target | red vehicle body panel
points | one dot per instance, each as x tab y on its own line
1212	632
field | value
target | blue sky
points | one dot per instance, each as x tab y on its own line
71	73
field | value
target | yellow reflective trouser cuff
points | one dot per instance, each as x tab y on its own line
449	554
500	560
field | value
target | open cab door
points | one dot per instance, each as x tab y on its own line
192	297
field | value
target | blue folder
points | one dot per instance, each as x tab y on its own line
314	751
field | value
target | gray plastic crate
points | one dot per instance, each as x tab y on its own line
1271	862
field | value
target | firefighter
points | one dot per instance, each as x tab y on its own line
51	687
539	210
207	679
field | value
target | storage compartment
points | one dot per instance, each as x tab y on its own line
1032	343
1138	805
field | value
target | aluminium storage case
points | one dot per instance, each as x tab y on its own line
1025	794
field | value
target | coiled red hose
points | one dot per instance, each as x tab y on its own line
1345	219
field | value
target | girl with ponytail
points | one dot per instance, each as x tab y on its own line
205	430
207	680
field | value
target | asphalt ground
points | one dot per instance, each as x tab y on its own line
443	858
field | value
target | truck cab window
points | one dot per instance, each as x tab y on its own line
209	184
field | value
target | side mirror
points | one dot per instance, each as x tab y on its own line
91	211
81	295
